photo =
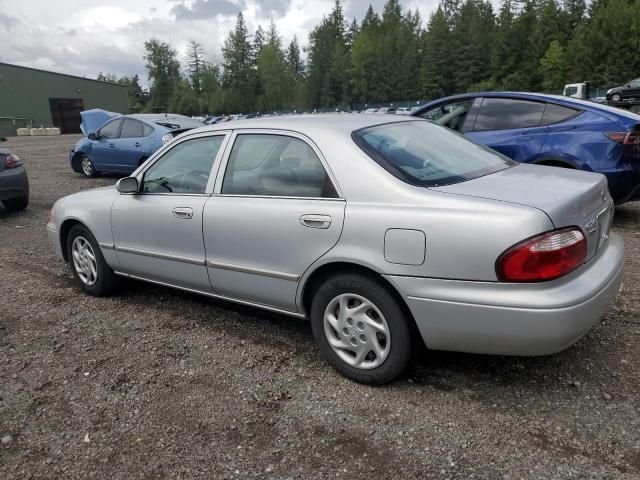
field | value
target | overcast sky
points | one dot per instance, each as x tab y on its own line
84	37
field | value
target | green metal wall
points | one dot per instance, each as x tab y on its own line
25	93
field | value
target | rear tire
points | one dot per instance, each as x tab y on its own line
361	329
89	266
16	204
86	167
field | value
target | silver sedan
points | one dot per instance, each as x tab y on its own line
384	232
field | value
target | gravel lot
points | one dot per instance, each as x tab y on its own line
157	383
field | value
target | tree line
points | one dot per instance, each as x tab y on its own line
390	56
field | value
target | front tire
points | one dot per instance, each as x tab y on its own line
616	97
86	167
16	204
361	329
89	267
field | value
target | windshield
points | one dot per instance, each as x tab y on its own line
423	153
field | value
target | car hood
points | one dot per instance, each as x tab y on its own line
94	119
567	196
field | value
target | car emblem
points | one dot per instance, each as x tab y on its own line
592	226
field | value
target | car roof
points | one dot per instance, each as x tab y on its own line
310	124
612	113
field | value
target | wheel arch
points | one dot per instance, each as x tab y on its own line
75	160
314	279
65	228
557	162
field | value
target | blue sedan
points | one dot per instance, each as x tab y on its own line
549	130
119	144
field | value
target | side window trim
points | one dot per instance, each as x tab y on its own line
119	119
577	112
139	174
470	121
539	125
222	166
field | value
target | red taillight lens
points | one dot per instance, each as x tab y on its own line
545	257
625	138
12	161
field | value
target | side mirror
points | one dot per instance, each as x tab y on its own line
127	185
92	136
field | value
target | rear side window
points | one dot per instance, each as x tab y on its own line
111	129
557	113
131	129
506	113
422	153
275	165
146	130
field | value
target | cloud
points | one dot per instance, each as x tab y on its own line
206	9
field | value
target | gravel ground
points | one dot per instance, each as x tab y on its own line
156	383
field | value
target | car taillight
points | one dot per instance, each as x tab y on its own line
167	138
544	257
12	161
625	138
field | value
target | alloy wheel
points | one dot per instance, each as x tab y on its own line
84	261
357	331
87	167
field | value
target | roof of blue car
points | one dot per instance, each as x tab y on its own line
559	99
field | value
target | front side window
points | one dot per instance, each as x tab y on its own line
507	113
450	115
635	83
424	154
185	168
131	129
275	165
111	129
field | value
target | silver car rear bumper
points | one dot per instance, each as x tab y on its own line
514	319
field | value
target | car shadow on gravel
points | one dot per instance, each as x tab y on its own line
626	216
444	371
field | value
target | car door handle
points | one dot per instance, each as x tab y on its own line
184	213
137	144
316	221
111	145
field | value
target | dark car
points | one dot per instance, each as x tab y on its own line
625	92
121	143
14	185
549	130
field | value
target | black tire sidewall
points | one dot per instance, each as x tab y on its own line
105	282
379	295
16	204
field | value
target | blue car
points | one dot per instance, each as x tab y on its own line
115	143
549	130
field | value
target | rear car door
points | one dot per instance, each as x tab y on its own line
511	126
158	231
103	150
275	211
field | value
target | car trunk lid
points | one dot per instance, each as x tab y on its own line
568	197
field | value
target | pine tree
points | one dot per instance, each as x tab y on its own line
238	78
553	68
195	60
436	69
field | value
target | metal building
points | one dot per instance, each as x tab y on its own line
31	97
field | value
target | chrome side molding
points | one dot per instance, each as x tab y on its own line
255	271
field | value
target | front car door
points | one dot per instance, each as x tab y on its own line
103	149
158	231
510	126
275	210
634	89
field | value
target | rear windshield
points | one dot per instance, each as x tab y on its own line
423	153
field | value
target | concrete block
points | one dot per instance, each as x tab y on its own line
53	131
23	132
38	131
